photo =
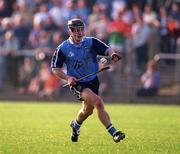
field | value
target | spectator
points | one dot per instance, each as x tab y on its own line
49	24
59	13
83	10
34	86
25	73
44	39
99	28
175	11
56	38
71	9
149	15
23	8
117	6
150	18
94	16
164	31
51	87
106	5
43	50
45	84
174	26
11	48
117	29
140	36
136	11
41	15
34	35
98	13
21	30
150	80
6	24
5	9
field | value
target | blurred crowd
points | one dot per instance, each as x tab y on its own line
31	30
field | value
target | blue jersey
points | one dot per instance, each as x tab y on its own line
80	59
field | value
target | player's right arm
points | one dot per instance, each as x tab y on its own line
61	75
57	61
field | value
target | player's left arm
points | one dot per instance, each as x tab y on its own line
103	49
113	55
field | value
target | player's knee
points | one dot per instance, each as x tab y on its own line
99	104
88	111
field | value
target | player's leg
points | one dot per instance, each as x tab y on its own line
94	100
90	97
83	114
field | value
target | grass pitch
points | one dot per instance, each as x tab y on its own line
43	128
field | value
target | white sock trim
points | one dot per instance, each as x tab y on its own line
110	127
77	123
115	132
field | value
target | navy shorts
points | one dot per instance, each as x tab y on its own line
78	88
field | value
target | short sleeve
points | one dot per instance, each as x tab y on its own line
58	59
100	47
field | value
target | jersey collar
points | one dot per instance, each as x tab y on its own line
70	40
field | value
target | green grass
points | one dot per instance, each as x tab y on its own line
43	128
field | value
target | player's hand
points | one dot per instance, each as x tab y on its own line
71	81
115	57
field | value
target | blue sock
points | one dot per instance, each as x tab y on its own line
111	129
76	125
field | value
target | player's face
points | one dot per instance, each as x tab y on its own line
77	34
